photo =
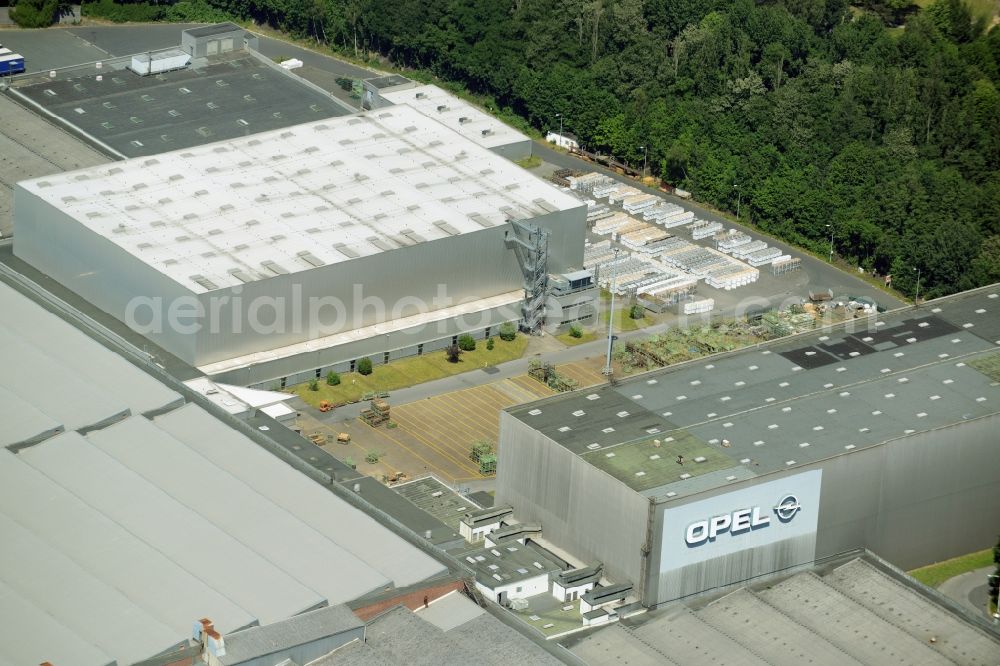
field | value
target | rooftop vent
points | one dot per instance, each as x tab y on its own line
464	119
421	95
274	268
241	275
310	258
204	282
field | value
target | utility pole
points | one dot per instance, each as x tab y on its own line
611	314
830	227
561	139
739	195
643	161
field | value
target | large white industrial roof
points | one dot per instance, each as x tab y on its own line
123	530
289	200
461	116
51	371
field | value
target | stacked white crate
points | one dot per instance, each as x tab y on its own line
733	240
744	251
619	194
704	229
612	224
660	211
638	202
676	219
699	307
641	237
765	256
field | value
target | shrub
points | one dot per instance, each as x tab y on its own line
453	352
372	457
313	384
365	366
34	13
637	311
489	343
332	378
575	331
508	331
466	342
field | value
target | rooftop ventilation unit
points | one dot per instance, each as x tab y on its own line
486	132
241	275
464	119
274	268
346	251
420	95
442	108
204	282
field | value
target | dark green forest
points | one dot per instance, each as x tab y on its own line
882	120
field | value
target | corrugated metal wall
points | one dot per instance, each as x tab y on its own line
589	513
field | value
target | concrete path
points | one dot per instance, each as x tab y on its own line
968	589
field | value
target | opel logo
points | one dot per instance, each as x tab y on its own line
787	507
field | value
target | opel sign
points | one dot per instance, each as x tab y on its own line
741	521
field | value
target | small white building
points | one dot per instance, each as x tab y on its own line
571	585
512	571
608	597
564	140
477	524
519	533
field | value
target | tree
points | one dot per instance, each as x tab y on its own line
466	342
364	366
507	331
332	378
34	13
453	352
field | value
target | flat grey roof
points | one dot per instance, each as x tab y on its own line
255	642
401	509
786	403
452	610
508	563
401	636
32	147
388	81
858	613
225	97
437	499
216	29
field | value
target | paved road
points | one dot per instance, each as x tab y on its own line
968	589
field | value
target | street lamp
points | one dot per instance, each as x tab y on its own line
739	195
561	139
643	161
916	298
830	227
611	314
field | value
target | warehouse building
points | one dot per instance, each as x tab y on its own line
453	112
878	435
128	514
277	257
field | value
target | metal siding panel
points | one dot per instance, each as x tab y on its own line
582	509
